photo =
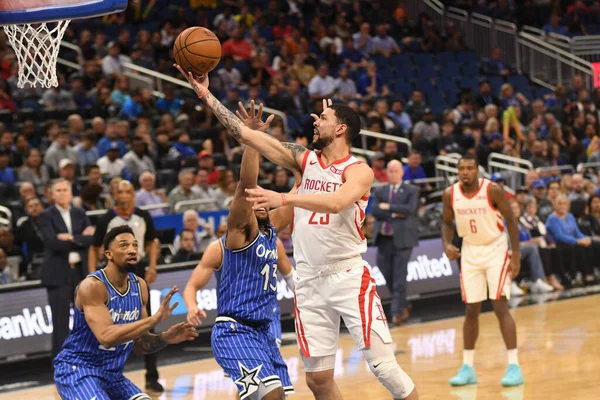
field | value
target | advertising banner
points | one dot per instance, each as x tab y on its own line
26	320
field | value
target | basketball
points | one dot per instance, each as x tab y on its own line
197	49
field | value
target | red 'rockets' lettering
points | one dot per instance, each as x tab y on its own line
321	186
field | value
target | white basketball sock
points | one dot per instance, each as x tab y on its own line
513	356
468	357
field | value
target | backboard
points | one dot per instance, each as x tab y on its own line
15	12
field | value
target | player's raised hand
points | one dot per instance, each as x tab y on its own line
254	119
181	332
515	264
263	198
165	309
452	252
194	315
326	103
199	82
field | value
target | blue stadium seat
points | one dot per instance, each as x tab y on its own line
519	82
403	88
467	57
541	91
425	86
408	72
469	82
427	71
449	70
399	60
495	83
470	70
445	59
423	59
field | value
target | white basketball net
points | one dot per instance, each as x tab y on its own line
36	46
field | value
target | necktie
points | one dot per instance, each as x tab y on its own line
387	225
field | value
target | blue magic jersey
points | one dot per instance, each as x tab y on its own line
247	280
83	349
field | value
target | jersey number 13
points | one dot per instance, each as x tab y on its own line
266	273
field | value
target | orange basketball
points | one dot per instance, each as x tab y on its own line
197	50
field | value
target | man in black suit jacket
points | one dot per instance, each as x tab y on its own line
67	234
396	233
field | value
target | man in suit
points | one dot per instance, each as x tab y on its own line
67	234
395	233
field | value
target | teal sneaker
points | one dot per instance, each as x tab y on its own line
465	376
513	376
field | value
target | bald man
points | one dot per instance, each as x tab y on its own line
395	233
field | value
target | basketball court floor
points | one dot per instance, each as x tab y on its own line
559	350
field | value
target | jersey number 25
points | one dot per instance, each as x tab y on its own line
266	273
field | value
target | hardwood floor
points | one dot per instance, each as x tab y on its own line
559	351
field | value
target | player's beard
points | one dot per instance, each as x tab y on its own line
322	142
263	222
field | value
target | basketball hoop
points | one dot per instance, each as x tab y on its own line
37	46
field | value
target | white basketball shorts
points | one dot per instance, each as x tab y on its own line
321	301
485	271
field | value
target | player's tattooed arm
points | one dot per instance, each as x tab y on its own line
266	145
149	343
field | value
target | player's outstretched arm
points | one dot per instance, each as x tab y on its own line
448	226
499	200
150	343
358	181
282	216
284	265
92	297
211	261
287	155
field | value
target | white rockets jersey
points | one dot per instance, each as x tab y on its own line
478	222
324	239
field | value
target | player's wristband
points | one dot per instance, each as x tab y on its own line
283	199
203	95
290	279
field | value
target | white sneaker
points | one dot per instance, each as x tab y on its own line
540	286
515	290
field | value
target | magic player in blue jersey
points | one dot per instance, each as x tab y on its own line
110	321
246	261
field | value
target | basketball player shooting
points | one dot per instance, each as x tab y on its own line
110	321
333	279
478	206
246	260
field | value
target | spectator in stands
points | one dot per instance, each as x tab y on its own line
183	191
186	251
91	198
589	223
138	160
12	250
66	170
384	44
201	239
574	246
280	181
546	208
322	85
148	195
182	148
111	164
112	63
555	26
238	47
207	163
381	113
495	65
577	192
28	230
140	101
331	39
170	103
530	249
485	96
363	41
413	169
538	158
463	114
225	188
58	97
370	84
390	150
496	145
6	272
301	71
7	174
379	168
345	87
60	149
416	105
229	75
75	126
88	153
121	91
34	171
6	102
448	142
205	191
426	129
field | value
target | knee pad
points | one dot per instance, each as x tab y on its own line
395	380
382	362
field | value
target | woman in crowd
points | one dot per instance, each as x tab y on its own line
34	171
575	256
